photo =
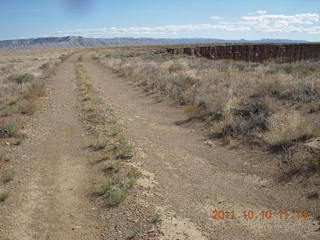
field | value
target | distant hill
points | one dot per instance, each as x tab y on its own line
75	42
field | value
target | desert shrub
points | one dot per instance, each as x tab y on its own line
104	185
302	70
4	157
3	196
28	108
298	160
125	149
63	57
116	197
45	67
240	66
115	186
222	128
250	115
272	88
302	91
288	130
176	67
7	176
12	100
100	144
21	78
185	81
315	131
113	166
36	90
9	129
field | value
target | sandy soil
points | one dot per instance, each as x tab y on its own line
193	178
184	178
49	199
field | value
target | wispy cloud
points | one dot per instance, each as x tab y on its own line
284	23
268	23
261	11
169	29
215	17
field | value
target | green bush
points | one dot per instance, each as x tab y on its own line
103	186
116	197
3	196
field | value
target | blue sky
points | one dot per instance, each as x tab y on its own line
226	19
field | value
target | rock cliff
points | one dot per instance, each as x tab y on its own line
254	52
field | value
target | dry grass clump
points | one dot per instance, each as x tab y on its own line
21	78
4	157
8	129
111	142
7	176
3	196
36	90
115	185
192	111
28	108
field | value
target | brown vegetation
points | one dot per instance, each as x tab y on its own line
272	105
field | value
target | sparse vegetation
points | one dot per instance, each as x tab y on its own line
4	157
9	129
119	177
3	196
240	101
22	83
125	149
7	176
115	185
132	234
192	111
103	186
28	108
100	144
22	78
113	165
156	219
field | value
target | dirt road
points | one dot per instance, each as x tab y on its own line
193	178
54	178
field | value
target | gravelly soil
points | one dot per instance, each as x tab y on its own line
193	178
183	180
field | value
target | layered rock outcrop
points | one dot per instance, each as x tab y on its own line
254	52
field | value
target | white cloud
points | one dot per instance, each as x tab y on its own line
215	17
283	23
268	23
169	29
261	11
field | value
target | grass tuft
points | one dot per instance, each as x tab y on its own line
116	197
7	176
104	185
3	196
101	144
113	166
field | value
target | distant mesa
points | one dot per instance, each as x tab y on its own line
77	41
